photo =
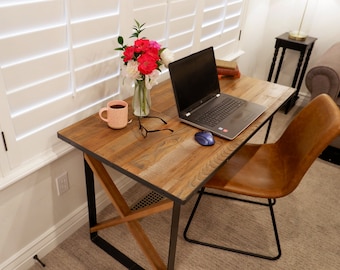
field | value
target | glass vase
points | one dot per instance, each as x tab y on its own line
141	101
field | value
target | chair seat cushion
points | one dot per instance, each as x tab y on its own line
255	170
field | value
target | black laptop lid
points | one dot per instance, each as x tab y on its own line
194	79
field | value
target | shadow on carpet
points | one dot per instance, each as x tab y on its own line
331	154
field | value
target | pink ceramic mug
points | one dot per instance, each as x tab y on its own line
116	114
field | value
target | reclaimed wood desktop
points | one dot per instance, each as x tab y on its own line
172	164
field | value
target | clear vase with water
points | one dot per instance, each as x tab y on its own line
141	101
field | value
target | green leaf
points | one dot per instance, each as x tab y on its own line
120	40
138	28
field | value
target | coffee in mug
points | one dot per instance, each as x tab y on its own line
116	114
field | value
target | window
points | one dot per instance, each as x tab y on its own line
60	66
181	26
221	26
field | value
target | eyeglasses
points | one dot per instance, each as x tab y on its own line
145	131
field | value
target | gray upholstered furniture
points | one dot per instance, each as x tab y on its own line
324	77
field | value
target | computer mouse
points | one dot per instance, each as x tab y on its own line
205	138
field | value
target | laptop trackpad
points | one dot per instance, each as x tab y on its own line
236	123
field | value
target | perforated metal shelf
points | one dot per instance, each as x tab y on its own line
149	199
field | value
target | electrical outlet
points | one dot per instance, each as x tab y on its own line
62	183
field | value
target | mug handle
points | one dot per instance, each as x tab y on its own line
100	113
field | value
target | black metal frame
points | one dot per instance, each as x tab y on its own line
95	238
270	204
121	257
110	249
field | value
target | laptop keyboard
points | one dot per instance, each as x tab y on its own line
216	114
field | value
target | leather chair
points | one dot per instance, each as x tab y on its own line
274	170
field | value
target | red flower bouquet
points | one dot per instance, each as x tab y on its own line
142	63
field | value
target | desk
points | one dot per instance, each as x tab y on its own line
305	48
172	164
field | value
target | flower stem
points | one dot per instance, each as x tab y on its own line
142	102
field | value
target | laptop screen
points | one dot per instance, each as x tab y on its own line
194	79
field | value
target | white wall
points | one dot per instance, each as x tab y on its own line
34	219
31	212
268	19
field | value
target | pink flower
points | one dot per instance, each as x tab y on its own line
146	64
141	45
155	44
129	53
144	59
153	52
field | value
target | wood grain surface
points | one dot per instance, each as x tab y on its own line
173	164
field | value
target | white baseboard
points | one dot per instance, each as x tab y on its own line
49	240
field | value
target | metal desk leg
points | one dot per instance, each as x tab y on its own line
173	235
268	128
95	238
90	191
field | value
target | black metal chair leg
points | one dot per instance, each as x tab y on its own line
270	204
192	215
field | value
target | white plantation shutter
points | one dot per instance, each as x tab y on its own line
58	66
58	63
183	21
153	14
34	71
221	26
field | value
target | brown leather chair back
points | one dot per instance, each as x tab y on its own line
309	133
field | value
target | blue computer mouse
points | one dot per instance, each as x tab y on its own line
204	138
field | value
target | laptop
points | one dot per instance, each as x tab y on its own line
200	102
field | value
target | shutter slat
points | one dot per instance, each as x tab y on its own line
57	69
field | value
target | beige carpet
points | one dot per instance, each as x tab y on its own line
308	224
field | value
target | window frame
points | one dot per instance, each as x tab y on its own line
165	34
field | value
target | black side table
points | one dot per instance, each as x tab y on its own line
305	48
